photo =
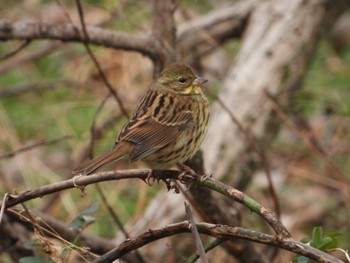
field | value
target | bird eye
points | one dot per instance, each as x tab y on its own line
182	79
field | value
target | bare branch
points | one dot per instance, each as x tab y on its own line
15	51
247	201
81	181
14	240
42	85
309	139
28	58
257	147
96	63
35	145
142	43
165	175
96	244
218	231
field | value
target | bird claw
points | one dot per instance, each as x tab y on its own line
150	178
80	187
157	176
186	169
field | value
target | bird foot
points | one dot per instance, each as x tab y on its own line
187	176
157	176
150	178
80	187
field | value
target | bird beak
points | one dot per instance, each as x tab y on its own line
198	81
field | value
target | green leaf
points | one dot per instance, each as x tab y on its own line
325	242
317	234
84	218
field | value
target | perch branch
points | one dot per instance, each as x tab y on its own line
82	181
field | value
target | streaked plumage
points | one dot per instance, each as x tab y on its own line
168	126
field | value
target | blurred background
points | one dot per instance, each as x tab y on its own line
54	105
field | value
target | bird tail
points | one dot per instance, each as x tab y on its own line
89	167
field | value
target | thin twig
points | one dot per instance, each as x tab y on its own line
33	146
253	142
15	51
112	212
195	233
26	87
93	125
60	229
345	252
311	141
210	246
40	226
28	58
96	63
117	220
99	131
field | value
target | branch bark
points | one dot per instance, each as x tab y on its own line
142	43
218	231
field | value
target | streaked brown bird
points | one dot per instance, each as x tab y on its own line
168	126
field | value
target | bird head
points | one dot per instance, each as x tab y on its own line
180	79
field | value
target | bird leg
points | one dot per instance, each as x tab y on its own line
187	176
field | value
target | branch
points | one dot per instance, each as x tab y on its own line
15	51
96	244
195	233
96	63
26	87
269	216
164	31
79	181
34	145
165	175
221	232
142	43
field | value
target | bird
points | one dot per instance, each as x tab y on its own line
168	126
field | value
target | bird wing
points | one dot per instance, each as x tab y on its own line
150	133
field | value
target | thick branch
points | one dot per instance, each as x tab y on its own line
164	31
218	231
67	32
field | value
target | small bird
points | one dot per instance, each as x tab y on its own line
167	127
